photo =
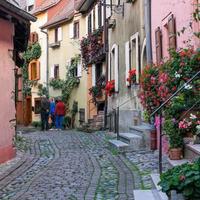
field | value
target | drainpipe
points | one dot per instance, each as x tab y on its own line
147	16
106	52
47	60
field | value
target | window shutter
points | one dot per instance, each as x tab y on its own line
92	21
71	31
102	14
96	17
127	61
93	74
29	71
158	41
172	32
86	21
52	72
35	37
79	69
109	67
59	33
38	71
116	68
108	9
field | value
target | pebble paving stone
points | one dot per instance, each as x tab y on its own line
68	165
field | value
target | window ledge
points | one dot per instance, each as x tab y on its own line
54	45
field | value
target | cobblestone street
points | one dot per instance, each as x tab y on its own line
68	165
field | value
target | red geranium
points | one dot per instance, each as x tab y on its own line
132	76
110	87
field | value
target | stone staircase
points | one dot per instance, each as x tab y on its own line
138	138
95	123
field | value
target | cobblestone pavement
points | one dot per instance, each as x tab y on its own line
68	165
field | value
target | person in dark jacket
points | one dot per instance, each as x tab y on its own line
45	106
60	113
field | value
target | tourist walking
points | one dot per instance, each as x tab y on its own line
52	112
60	113
45	106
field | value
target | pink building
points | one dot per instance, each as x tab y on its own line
14	24
168	18
172	26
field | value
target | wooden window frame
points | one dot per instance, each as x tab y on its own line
172	32
37	65
76	30
89	23
56	71
158	45
56	35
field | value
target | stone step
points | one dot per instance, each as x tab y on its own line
174	163
146	195
192	151
135	141
119	145
101	113
143	130
155	180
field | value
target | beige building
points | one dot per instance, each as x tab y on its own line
65	29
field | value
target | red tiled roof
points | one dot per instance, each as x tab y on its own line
46	4
65	14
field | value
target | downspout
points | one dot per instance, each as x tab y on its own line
147	16
106	52
47	60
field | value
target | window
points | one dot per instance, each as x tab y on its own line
94	19
114	66
56	71
82	115
34	70
76	30
99	15
33	37
58	34
98	71
89	23
74	70
37	106
134	54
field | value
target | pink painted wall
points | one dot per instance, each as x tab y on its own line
7	106
182	11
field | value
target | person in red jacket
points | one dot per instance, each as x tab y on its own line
60	113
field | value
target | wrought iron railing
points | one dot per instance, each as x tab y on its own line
159	112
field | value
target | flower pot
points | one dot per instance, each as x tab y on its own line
175	154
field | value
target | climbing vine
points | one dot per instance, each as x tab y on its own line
71	82
33	52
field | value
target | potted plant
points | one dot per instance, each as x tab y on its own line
132	76
175	139
184	179
110	88
190	126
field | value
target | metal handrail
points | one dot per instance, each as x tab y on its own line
174	94
159	109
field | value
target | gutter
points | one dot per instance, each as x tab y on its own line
47	60
147	13
17	11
